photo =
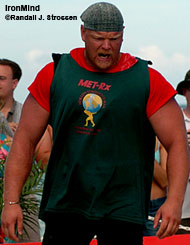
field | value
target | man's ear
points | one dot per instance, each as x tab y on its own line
82	29
15	83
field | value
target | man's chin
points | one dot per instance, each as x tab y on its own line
103	66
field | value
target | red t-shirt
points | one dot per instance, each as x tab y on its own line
160	90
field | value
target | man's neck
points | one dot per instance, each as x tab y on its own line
7	106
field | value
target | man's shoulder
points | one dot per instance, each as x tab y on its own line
17	108
18	104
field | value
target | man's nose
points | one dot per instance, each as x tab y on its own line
106	44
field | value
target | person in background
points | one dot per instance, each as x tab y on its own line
44	146
158	190
6	135
105	108
42	154
10	74
183	88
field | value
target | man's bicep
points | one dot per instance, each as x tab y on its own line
168	124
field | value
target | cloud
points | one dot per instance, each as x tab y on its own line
180	59
37	57
173	67
160	59
152	52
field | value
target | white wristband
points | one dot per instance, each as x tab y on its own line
11	203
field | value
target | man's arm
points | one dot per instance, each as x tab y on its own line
169	126
19	162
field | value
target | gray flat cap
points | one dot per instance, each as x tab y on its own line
102	16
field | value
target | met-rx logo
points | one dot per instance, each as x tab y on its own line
93	85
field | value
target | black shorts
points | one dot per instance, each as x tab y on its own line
73	229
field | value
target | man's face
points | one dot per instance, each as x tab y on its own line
7	83
102	49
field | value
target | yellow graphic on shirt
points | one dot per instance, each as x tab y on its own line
92	103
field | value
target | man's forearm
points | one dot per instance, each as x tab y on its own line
178	172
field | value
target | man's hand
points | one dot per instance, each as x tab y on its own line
12	217
170	215
188	136
13	126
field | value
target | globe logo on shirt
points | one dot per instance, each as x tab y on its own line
92	103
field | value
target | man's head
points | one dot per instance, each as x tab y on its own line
10	74
16	70
184	86
102	33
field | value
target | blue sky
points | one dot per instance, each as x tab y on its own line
158	30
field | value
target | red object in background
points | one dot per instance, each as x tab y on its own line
2	236
173	240
94	242
28	243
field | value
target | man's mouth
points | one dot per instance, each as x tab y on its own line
104	56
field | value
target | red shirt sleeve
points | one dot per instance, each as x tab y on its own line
40	88
160	92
